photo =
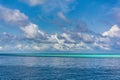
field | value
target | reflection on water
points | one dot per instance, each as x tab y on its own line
45	68
61	62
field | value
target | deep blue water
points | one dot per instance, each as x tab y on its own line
54	68
51	73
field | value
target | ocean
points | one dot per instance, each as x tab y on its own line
59	68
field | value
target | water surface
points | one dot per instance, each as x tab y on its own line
58	68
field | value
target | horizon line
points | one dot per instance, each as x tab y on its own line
64	55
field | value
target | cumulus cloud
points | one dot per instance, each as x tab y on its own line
32	31
15	17
12	16
34	39
60	42
113	32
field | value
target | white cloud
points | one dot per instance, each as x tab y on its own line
82	46
12	16
34	2
36	48
35	39
55	38
19	46
102	46
88	37
30	31
67	37
51	5
72	47
57	42
40	47
15	17
113	32
58	47
62	16
52	38
1	47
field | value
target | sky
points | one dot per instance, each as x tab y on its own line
60	26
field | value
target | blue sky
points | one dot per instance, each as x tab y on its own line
59	25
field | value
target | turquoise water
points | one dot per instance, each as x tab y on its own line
75	55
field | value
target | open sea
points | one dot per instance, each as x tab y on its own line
59	68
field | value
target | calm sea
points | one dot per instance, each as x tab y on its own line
56	68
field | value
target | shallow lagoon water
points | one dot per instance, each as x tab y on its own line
55	68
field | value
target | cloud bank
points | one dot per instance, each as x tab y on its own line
33	39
